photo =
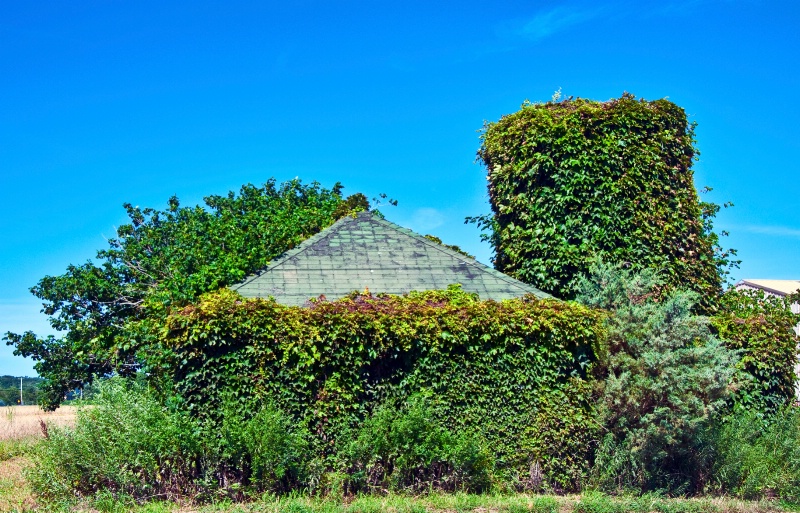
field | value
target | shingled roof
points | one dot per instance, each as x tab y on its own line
366	251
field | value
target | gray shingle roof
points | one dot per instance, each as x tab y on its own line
368	252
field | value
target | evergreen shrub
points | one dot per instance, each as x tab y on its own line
511	373
666	379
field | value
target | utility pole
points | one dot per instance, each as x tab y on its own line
21	402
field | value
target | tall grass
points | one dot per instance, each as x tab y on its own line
128	444
132	446
757	457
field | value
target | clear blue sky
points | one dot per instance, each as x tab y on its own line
107	102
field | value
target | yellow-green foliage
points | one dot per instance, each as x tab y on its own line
515	372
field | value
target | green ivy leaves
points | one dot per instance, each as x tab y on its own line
503	370
573	180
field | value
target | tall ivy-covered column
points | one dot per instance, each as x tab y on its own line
575	179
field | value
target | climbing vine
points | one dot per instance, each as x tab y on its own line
573	180
516	372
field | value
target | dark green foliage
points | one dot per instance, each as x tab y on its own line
161	259
512	373
9	390
757	459
761	328
666	377
278	454
577	179
261	447
404	447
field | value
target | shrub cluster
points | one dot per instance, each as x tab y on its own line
130	445
760	327
404	446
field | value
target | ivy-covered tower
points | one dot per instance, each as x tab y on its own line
573	180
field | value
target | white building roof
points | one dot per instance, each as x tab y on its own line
777	287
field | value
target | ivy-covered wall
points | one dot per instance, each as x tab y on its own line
761	327
514	372
577	179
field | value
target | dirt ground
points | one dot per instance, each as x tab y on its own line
18	422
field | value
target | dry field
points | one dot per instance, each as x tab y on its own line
20	426
17	422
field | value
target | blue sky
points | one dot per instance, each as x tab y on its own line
103	103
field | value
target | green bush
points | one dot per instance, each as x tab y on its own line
128	444
251	448
757	458
278	452
407	448
666	378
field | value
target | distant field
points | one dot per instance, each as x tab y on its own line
18	422
20	432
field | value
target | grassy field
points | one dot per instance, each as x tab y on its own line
20	431
517	503
438	503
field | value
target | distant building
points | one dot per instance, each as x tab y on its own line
780	288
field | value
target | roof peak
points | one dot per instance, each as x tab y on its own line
366	250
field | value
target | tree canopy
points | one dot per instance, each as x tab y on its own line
106	307
574	180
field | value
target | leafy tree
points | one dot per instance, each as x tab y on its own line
108	307
576	179
666	376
